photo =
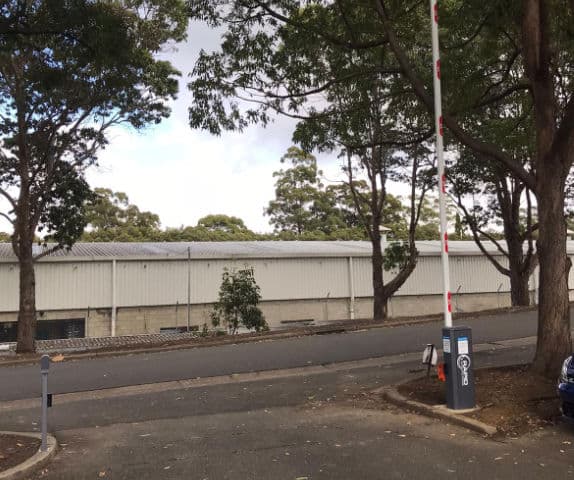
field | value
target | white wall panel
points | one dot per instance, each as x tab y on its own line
473	274
67	285
151	283
73	285
8	287
304	278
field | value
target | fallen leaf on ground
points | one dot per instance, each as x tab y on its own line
58	358
102	474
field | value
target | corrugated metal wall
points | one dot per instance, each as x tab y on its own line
76	285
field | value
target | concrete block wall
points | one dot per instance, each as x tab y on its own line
143	320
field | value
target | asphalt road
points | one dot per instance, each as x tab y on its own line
323	426
20	382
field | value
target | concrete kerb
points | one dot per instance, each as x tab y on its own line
34	463
456	417
336	327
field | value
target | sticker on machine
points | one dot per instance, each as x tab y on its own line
446	344
463	346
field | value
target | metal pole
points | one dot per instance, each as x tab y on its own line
351	289
114	297
188	289
447	307
44	367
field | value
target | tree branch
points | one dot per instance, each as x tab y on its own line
331	39
471	221
8	197
47	251
420	90
2	214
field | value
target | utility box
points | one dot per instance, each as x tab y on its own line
457	351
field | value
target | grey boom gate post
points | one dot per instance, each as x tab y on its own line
457	352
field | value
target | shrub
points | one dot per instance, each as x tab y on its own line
239	296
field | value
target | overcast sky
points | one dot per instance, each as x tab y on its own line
182	174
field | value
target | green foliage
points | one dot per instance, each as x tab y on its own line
71	71
5	237
396	256
112	218
239	296
222	223
304	209
301	204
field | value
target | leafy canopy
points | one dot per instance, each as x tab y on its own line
69	71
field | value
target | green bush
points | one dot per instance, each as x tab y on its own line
239	296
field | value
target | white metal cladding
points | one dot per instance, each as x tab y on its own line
472	274
83	283
165	282
305	278
9	281
73	285
151	283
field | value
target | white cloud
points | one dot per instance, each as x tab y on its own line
182	174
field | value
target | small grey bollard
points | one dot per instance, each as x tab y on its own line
44	368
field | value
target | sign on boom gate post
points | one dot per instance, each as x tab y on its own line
457	352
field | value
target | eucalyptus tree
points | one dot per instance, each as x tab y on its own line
111	217
496	55
302	204
70	71
346	103
359	126
526	52
498	198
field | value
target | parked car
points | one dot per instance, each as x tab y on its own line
566	387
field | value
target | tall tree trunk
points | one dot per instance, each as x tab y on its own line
379	302
519	288
519	274
554	340
27	310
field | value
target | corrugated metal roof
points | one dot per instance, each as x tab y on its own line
266	249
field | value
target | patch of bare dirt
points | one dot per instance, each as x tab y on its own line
15	450
513	399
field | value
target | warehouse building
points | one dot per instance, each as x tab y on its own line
111	289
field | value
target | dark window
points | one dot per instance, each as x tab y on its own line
7	332
192	328
56	329
47	330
